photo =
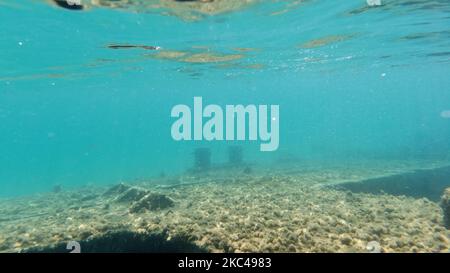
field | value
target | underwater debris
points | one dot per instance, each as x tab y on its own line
152	201
202	159
235	155
445	204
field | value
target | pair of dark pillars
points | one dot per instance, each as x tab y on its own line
202	157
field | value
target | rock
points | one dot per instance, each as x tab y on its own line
346	239
152	201
378	230
373	247
445	204
441	238
292	249
132	195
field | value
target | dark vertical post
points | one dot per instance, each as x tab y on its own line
202	159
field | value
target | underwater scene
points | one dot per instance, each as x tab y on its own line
229	126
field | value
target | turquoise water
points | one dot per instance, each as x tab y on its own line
352	82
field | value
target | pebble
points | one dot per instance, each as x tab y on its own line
346	239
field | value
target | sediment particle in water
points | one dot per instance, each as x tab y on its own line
445	204
152	201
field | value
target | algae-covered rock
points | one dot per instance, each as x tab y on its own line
445	204
152	201
141	199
